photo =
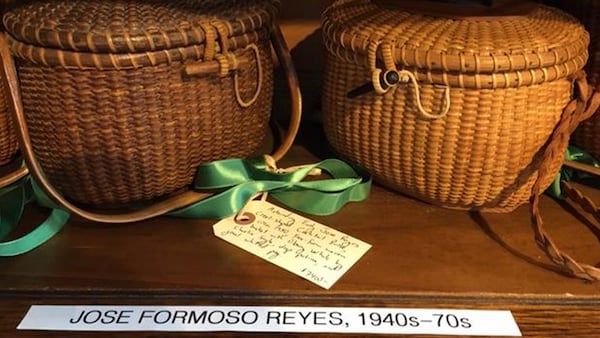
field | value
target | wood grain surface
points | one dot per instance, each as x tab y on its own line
422	256
549	317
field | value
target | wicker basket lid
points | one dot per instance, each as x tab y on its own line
537	44
131	26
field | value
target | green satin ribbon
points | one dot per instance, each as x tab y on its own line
572	153
13	199
235	180
243	179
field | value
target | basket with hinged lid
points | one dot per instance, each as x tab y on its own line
124	99
454	104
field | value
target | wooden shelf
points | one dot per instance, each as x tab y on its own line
422	256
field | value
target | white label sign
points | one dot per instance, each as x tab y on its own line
270	319
311	250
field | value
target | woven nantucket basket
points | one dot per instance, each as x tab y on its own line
124	99
451	108
587	135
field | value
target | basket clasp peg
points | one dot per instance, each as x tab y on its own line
386	80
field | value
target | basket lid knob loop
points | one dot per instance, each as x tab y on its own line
408	76
259	80
382	82
228	61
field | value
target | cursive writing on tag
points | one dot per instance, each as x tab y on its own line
311	250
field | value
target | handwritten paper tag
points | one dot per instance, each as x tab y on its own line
311	250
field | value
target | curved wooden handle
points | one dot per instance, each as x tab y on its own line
285	61
11	81
13	176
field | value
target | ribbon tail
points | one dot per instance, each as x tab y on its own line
23	193
323	203
43	232
12	203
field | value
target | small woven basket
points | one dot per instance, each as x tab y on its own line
124	99
452	109
587	135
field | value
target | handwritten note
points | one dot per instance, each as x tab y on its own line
311	250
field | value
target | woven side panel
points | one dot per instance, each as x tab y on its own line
8	138
108	138
471	159
588	11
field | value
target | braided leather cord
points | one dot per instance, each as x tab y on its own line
583	201
578	110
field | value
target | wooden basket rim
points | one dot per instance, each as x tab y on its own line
65	33
123	61
446	58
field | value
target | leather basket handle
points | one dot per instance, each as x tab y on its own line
13	176
578	110
10	78
565	261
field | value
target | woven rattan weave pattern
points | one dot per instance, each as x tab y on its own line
543	38
507	81
588	11
131	26
109	136
8	139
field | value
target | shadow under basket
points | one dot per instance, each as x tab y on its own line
452	109
124	99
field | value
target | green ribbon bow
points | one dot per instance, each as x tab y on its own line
237	180
13	199
572	153
242	179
